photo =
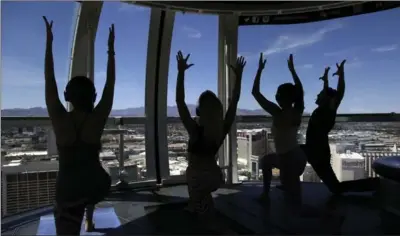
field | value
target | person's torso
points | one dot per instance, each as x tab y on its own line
284	129
321	122
202	152
79	155
81	175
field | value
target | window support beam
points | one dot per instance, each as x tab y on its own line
82	51
158	53
227	54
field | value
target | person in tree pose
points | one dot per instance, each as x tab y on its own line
206	135
286	120
81	182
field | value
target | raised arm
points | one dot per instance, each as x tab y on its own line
105	104
299	103
231	113
341	84
267	105
54	106
187	120
325	78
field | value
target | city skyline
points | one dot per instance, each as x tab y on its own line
371	52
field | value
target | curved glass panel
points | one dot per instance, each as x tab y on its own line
370	45
28	170
198	35
131	37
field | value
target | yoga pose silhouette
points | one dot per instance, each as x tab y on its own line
206	135
81	182
320	124
317	148
286	119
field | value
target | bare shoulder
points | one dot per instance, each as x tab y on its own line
93	128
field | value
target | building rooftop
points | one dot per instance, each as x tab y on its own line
351	155
32	166
250	131
107	154
27	153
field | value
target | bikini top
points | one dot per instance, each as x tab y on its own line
198	145
80	153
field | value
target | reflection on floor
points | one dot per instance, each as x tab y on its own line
161	213
105	219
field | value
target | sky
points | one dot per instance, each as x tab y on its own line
370	43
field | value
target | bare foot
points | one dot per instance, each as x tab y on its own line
89	226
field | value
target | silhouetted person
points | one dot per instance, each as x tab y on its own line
320	124
81	182
286	120
206	135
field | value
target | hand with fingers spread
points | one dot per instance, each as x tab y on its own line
111	38
261	62
182	62
340	68
290	63
238	67
325	76
49	31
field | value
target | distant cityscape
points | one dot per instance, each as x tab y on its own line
30	161
172	111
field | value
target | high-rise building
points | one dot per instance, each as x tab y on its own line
343	147
27	186
370	157
348	166
251	145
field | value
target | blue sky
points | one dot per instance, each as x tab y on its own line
370	43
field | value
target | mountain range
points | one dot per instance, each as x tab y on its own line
134	111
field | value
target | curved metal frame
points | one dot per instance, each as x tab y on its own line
227	53
158	51
82	52
282	13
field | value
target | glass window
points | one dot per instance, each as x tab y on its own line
131	38
32	176
43	176
198	35
53	174
370	45
23	48
11	178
